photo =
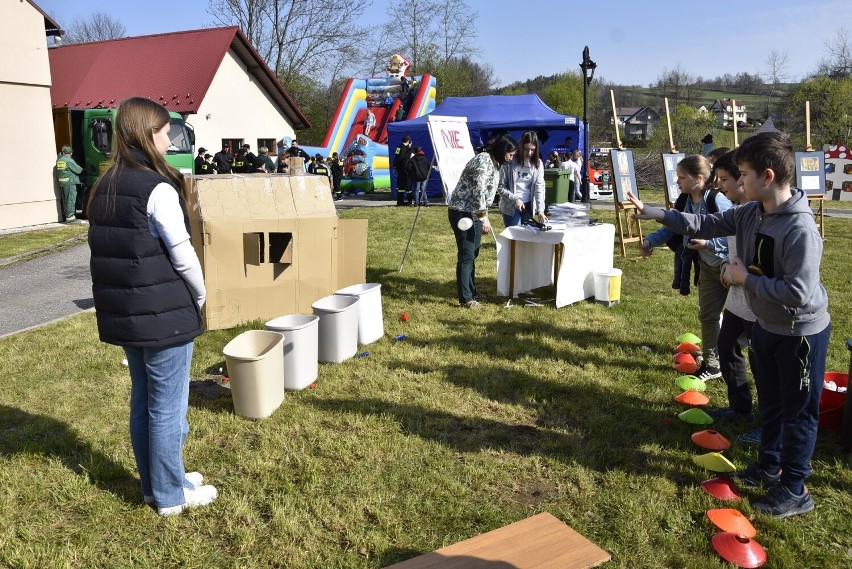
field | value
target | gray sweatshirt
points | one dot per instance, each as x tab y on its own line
788	299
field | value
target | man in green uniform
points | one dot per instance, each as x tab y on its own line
67	171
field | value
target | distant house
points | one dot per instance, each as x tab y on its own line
28	195
726	114
637	123
213	77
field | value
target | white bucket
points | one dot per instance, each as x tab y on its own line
608	287
371	324
301	344
255	363
338	327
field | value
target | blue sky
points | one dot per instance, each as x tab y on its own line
631	42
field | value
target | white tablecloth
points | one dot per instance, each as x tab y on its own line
587	249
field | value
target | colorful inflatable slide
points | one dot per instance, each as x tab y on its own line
366	162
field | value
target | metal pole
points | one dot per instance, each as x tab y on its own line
585	181
586	65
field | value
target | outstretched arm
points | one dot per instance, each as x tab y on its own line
645	211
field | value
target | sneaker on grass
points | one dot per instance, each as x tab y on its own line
194	478
781	503
201	496
751	437
753	476
706	372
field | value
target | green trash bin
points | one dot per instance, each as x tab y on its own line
557	184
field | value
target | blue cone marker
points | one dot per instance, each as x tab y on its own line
363	354
400	337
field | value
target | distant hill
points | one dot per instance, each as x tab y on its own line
636	96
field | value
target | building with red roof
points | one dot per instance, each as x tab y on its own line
212	76
28	195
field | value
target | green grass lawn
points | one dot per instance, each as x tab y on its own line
478	419
27	242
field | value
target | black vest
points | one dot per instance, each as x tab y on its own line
140	300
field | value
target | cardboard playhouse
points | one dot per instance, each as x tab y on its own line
270	245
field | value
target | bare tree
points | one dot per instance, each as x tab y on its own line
776	64
296	37
837	63
677	85
413	35
457	31
97	27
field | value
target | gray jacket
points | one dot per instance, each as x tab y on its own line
786	245
507	188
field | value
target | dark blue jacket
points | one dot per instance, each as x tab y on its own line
140	300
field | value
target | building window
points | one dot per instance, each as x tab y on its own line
269	143
232	144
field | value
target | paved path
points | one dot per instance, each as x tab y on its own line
45	289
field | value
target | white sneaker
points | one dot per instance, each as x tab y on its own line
201	496
194	478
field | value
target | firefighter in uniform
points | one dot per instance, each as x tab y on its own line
67	171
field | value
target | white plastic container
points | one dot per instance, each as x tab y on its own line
301	343
371	323
608	287
338	327
255	361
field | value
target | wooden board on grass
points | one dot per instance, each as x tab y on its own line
538	542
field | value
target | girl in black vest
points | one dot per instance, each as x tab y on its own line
148	291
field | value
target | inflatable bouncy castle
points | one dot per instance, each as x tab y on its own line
379	101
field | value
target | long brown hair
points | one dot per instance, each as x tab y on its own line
529	137
136	120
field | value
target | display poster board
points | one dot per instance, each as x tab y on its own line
623	174
670	162
453	149
810	172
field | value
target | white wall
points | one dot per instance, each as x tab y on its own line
28	195
238	108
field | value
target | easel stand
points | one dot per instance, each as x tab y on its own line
820	214
625	223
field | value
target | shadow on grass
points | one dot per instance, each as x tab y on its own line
567	427
29	434
403	285
535	339
434	559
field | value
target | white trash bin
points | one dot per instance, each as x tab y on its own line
608	287
301	343
255	361
338	327
371	323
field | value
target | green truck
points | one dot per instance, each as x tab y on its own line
89	132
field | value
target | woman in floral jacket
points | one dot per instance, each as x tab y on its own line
473	194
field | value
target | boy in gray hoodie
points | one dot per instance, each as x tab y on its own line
780	249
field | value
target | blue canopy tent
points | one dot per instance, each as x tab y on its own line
488	115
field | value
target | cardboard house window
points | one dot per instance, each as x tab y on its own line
280	248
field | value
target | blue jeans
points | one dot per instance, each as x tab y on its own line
518	217
159	397
789	406
467	243
419	186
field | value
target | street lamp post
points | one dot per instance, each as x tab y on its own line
588	66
